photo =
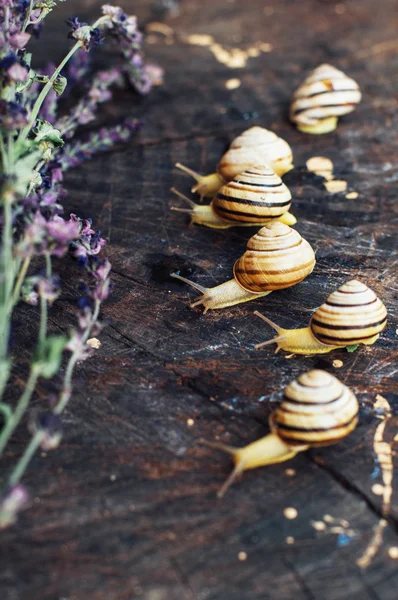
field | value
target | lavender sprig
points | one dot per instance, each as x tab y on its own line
74	154
33	157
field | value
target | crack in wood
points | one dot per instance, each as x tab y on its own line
354	490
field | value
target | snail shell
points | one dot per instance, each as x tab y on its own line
254	148
351	315
325	95
317	410
277	257
254	196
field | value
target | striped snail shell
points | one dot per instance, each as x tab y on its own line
350	316
254	148
277	257
255	197
317	410
323	97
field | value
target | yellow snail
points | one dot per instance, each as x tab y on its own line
255	197
277	257
316	410
352	315
253	148
325	95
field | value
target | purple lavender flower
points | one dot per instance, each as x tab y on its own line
89	242
47	237
12	501
50	426
83	33
19	40
13	116
72	155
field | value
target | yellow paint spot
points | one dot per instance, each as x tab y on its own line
378	489
199	39
393	552
290	512
340	9
335	186
242	556
344	523
338	364
290	472
352	195
328	518
290	540
321	166
162	28
318	525
264	46
190	422
234	58
232	84
93	343
383	452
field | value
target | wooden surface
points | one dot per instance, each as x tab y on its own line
126	507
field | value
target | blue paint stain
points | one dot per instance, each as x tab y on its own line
376	472
343	540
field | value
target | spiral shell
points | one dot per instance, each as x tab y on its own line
255	147
317	410
326	93
351	315
277	257
254	196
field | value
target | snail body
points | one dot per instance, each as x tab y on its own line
255	197
255	147
351	315
324	96
276	257
316	410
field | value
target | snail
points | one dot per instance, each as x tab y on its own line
325	95
352	315
253	148
254	197
316	410
277	257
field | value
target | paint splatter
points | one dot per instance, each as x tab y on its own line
242	556
352	195
383	452
338	364
334	186
320	165
393	552
290	540
232	84
234	58
341	528
94	343
290	512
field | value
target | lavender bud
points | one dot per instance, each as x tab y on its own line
12	501
50	426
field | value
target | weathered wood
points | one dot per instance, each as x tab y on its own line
126	507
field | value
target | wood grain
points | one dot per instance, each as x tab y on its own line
126	507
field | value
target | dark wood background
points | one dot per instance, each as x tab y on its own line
126	507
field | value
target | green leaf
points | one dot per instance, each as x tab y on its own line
23	169
60	84
48	355
352	348
45	132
